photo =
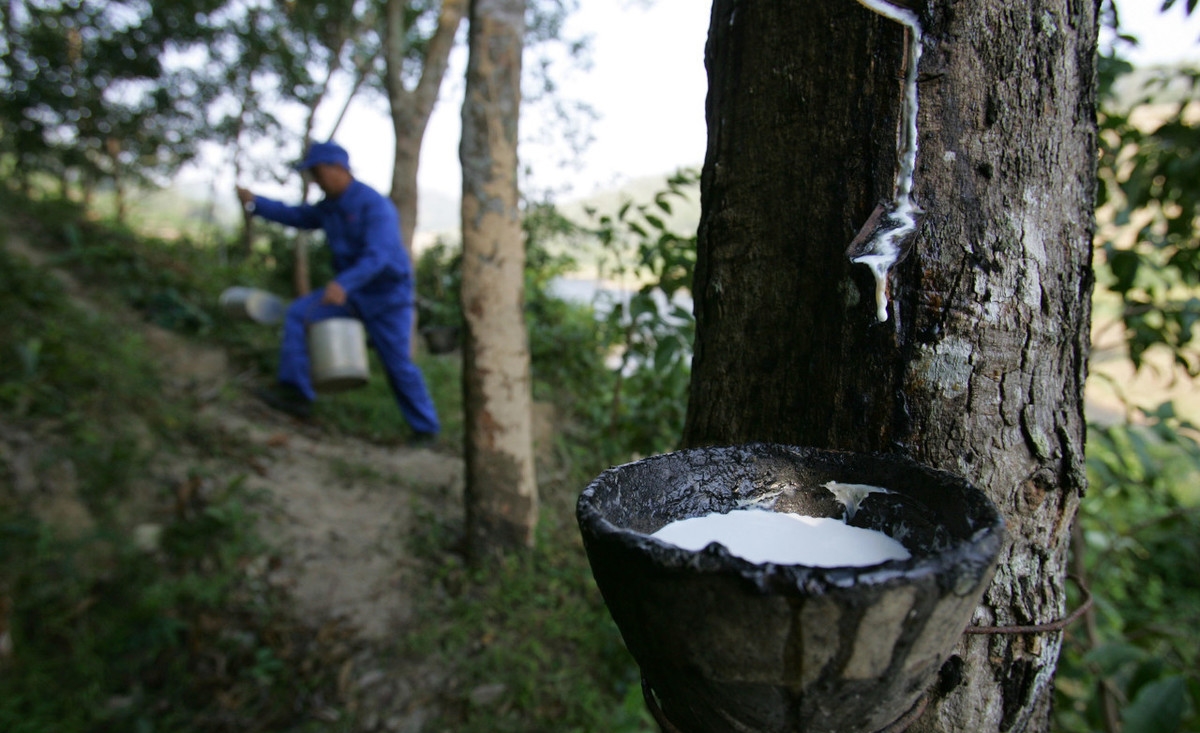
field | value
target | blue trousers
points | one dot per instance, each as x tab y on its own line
389	333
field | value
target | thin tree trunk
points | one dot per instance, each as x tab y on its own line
87	184
113	147
979	368
501	487
360	76
411	108
302	269
247	238
302	272
247	243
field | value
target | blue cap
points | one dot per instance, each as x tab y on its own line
329	152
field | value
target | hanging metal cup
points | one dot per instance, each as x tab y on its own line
252	304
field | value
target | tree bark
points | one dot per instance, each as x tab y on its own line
979	368
501	487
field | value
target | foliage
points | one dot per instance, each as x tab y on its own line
1131	666
625	379
124	92
566	348
439	285
80	371
1138	543
129	89
175	284
1168	4
620	364
189	637
275	58
653	328
109	636
1150	182
83	85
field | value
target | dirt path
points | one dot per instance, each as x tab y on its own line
342	511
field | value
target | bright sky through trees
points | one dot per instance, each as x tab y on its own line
648	83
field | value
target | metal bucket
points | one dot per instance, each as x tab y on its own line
253	304
337	351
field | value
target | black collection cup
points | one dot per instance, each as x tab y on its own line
726	645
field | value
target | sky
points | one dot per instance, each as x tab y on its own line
648	83
646	78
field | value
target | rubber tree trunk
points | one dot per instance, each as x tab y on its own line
980	367
501	490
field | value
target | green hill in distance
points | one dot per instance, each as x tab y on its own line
438	212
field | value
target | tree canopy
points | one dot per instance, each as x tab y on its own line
128	91
90	85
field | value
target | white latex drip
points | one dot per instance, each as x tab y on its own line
900	222
880	264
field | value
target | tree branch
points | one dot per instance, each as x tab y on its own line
360	75
1048	627
437	56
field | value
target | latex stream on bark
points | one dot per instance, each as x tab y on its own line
882	240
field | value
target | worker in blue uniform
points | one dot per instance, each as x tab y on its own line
374	282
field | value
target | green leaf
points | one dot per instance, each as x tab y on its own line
1111	657
29	352
1124	264
1158	707
642	304
665	354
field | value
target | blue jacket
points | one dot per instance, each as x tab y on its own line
362	229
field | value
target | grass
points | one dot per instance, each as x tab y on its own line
106	633
188	636
530	630
107	636
1133	663
371	412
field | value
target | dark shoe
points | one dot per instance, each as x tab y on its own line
286	398
421	440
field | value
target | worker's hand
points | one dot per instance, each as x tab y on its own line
245	195
334	294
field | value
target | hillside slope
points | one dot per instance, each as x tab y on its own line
336	511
